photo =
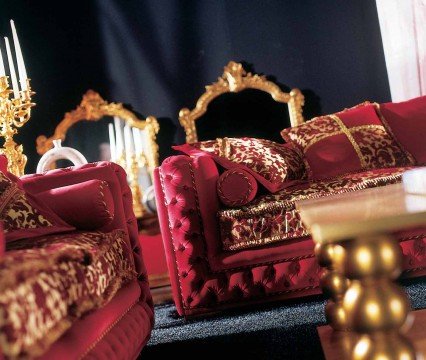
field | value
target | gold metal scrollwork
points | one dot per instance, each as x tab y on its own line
235	79
93	108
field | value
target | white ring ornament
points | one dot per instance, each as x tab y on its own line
58	153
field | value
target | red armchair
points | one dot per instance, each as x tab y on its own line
121	328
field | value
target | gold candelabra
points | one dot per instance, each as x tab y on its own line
14	113
132	164
132	169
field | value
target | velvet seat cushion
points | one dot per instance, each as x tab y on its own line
273	218
87	205
48	282
407	121
23	215
273	165
349	141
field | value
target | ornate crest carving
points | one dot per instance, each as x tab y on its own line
235	79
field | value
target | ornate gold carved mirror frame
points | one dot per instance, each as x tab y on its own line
235	79
93	108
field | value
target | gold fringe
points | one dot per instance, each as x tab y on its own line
263	241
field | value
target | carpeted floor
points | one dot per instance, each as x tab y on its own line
275	331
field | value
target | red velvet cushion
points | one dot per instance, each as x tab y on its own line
23	215
87	206
273	165
407	122
236	187
349	141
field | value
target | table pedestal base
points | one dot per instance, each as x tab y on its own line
337	345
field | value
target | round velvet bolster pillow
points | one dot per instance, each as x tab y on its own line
88	205
236	187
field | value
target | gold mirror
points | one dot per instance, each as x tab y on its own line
86	128
257	89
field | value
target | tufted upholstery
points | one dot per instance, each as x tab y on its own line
132	321
206	278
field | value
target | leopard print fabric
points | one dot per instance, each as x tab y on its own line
277	163
46	283
378	148
16	212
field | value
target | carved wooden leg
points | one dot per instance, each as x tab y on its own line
375	306
333	283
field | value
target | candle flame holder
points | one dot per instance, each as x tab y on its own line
14	113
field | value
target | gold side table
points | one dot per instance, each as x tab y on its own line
361	259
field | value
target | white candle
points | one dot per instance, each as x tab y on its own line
19	58
144	140
112	142
12	70
119	147
128	141
2	71
128	145
138	140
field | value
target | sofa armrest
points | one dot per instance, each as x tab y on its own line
124	217
187	204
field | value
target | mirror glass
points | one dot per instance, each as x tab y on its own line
90	138
251	113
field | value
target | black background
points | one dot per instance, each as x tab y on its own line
157	55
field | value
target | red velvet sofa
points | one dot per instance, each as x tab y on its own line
120	326
210	269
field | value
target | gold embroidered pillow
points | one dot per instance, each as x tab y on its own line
22	215
348	141
273	165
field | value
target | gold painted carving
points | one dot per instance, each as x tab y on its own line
14	113
235	79
93	108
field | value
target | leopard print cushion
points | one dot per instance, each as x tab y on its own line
22	215
272	164
349	141
48	282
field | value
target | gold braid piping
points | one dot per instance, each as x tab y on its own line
351	139
321	137
370	126
351	130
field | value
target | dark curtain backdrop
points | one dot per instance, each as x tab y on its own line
157	55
